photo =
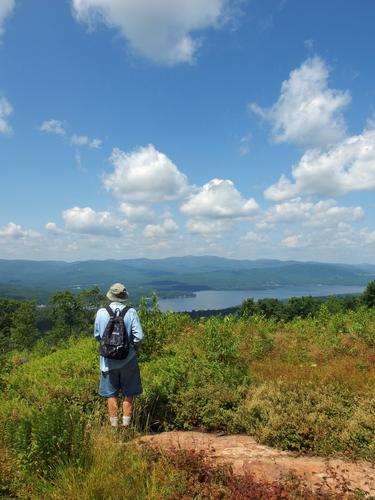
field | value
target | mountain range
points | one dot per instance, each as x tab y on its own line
171	276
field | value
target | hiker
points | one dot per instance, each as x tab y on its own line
118	364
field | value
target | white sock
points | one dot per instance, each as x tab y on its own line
126	421
114	421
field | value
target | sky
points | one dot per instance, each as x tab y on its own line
155	128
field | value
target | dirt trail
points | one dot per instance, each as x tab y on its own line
245	455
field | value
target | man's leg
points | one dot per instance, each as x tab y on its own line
127	408
112	411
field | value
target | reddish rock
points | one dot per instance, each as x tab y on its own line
245	455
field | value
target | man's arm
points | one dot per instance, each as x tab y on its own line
97	326
136	330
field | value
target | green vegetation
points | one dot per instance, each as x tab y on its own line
299	376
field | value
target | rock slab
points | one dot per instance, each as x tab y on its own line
245	456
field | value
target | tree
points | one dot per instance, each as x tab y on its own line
271	308
155	303
67	314
7	309
334	305
248	308
23	331
368	296
91	301
301	307
350	303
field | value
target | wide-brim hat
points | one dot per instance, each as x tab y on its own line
117	293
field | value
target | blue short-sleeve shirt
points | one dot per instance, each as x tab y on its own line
133	328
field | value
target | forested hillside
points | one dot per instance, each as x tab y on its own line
170	277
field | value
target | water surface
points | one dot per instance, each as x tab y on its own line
221	299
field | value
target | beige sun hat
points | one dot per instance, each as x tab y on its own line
117	293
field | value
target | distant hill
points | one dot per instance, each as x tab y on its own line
171	276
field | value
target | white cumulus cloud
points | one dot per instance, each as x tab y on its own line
324	213
137	213
308	112
144	176
168	226
208	227
5	111
347	166
336	240
161	30
6	8
53	228
15	231
85	220
219	199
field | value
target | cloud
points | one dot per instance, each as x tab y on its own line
86	221
137	213
15	231
255	238
295	241
5	111
79	140
367	236
347	166
324	213
159	30
335	239
144	176
59	127
327	214
53	127
245	142
307	113
219	199
83	140
208	227
169	226
6	8
53	228
282	190
95	143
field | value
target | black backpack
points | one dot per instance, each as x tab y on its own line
114	344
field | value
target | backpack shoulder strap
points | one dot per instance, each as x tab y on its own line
109	311
124	311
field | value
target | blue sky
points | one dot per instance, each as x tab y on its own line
241	128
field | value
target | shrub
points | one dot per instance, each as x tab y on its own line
309	417
159	329
70	374
48	438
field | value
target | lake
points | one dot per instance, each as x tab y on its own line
221	299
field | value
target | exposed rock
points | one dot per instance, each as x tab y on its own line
245	455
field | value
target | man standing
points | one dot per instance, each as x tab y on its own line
120	374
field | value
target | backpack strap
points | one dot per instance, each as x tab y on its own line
124	311
109	311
